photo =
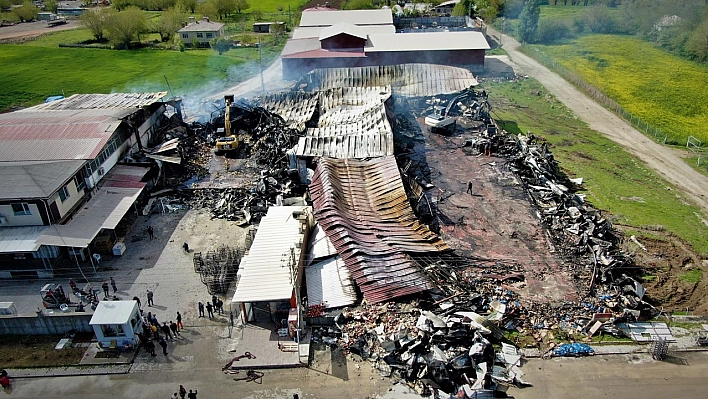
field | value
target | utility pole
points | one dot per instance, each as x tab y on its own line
260	64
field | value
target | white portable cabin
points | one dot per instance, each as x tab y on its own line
117	321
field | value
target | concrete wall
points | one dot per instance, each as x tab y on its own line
74	197
45	324
33	219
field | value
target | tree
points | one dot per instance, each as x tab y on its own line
208	9
598	20
512	8
277	31
241	5
51	5
189	5
221	45
225	7
26	12
460	10
528	21
96	21
359	5
126	25
697	45
170	21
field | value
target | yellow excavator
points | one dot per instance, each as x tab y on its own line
229	142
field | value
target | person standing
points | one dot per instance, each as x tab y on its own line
192	395
163	344
150	295
173	328
105	289
150	347
220	306
136	299
113	284
166	330
182	392
210	310
151	232
174	396
180	326
469	187
201	309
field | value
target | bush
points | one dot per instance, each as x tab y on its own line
550	31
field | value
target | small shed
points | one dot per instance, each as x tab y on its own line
117	321
264	27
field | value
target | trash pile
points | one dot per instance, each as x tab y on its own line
439	355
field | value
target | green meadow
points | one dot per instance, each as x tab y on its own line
614	181
666	91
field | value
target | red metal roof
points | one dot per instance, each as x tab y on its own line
362	207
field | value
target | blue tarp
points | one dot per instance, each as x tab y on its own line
574	349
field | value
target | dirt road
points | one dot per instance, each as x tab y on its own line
663	160
32	29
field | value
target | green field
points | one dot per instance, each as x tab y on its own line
40	68
272	5
614	180
666	91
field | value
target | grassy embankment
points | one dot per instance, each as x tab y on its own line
614	181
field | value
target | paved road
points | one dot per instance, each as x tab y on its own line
663	160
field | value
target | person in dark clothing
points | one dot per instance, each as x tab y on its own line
113	284
469	187
210	310
185	246
163	344
173	328
105	289
180	326
214	301
150	347
192	395
136	299
150	295
151	232
182	392
166	330
201	309
220	306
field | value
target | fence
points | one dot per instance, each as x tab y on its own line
592	91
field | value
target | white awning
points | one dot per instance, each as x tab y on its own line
113	312
265	274
20	239
329	283
104	211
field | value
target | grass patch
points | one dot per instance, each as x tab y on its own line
692	276
273	5
37	351
85	70
662	89
615	181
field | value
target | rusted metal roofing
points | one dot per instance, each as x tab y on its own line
101	101
363	208
412	80
296	108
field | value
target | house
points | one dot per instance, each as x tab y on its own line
264	27
60	178
445	8
362	38
200	32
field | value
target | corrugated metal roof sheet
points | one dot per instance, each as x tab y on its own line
356	17
127	101
104	210
365	212
36	179
265	273
330	283
646	331
305	32
413	80
320	245
301	46
296	108
427	41
20	239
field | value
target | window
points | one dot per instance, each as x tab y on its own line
63	194
210	34
21	208
200	35
112	330
185	35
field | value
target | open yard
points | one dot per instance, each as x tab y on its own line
660	88
614	180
